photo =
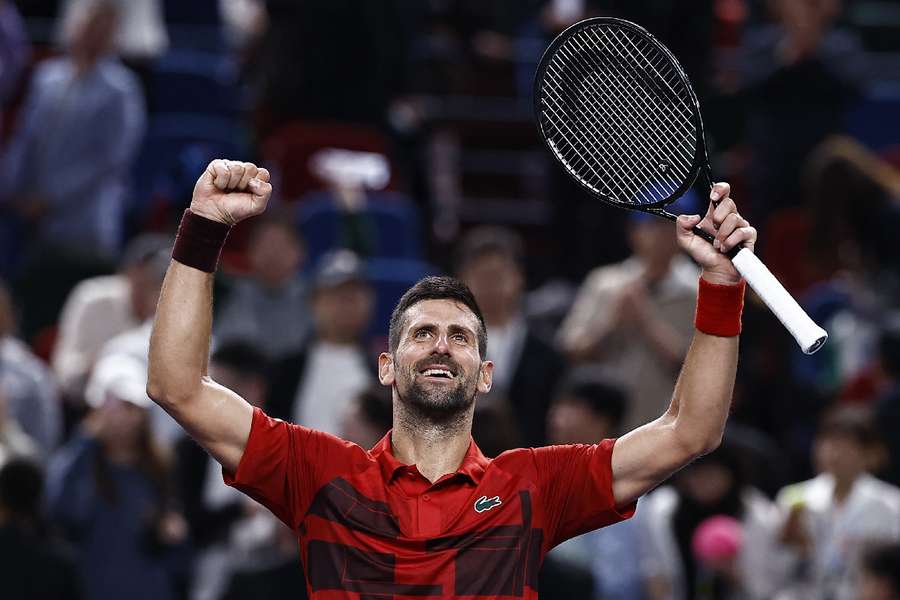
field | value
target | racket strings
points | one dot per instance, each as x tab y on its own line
641	144
603	133
650	106
618	115
606	166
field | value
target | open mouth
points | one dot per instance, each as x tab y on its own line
438	373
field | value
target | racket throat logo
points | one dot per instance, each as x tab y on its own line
484	503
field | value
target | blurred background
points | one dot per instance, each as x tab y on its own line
400	138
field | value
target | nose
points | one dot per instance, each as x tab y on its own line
441	344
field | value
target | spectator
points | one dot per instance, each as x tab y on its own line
108	488
369	417
880	573
32	566
635	318
799	75
32	405
269	309
239	543
314	386
14	50
585	410
831	517
100	308
708	493
67	165
887	408
526	368
13	441
141	36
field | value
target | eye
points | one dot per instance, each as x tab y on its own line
422	334
461	338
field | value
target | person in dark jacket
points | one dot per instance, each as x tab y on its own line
108	490
527	367
32	564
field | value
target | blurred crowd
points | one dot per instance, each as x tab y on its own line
400	138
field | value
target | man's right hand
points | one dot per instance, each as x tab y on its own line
230	191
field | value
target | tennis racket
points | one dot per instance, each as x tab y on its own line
619	114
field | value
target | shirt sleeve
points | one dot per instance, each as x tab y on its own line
576	483
284	465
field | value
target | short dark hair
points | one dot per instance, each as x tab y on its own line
436	288
21	487
854	422
602	397
489	240
278	219
243	357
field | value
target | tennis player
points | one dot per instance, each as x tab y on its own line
424	514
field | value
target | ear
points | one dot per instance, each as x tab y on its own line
485	377
386	368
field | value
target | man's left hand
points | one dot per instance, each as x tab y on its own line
730	229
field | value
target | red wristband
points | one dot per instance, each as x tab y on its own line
719	308
199	241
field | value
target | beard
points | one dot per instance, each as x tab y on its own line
438	403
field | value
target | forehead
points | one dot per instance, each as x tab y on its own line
442	313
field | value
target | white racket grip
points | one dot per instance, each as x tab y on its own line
810	336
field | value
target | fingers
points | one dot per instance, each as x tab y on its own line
218	171
720	190
250	171
742	236
233	175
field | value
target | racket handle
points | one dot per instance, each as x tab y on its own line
810	336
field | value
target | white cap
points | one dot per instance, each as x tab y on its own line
119	375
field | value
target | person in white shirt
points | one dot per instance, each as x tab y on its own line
671	519
315	386
831	518
101	308
635	318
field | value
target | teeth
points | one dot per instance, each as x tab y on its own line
438	373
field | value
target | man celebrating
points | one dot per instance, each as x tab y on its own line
424	513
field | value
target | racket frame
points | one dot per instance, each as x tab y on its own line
700	163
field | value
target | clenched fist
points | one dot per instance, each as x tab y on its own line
230	191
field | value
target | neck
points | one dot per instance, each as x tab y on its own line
121	454
842	487
436	448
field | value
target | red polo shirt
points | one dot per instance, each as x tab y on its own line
372	528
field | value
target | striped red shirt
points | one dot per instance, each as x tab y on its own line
372	528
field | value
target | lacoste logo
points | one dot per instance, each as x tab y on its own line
484	503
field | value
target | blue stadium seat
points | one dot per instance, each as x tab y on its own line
176	149
387	227
193	81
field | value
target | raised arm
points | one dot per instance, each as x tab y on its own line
695	420
219	419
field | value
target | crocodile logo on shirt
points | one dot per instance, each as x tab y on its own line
484	503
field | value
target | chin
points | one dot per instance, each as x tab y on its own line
440	404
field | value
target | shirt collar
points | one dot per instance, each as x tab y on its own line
473	465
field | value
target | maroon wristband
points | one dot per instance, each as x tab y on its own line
719	308
199	241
